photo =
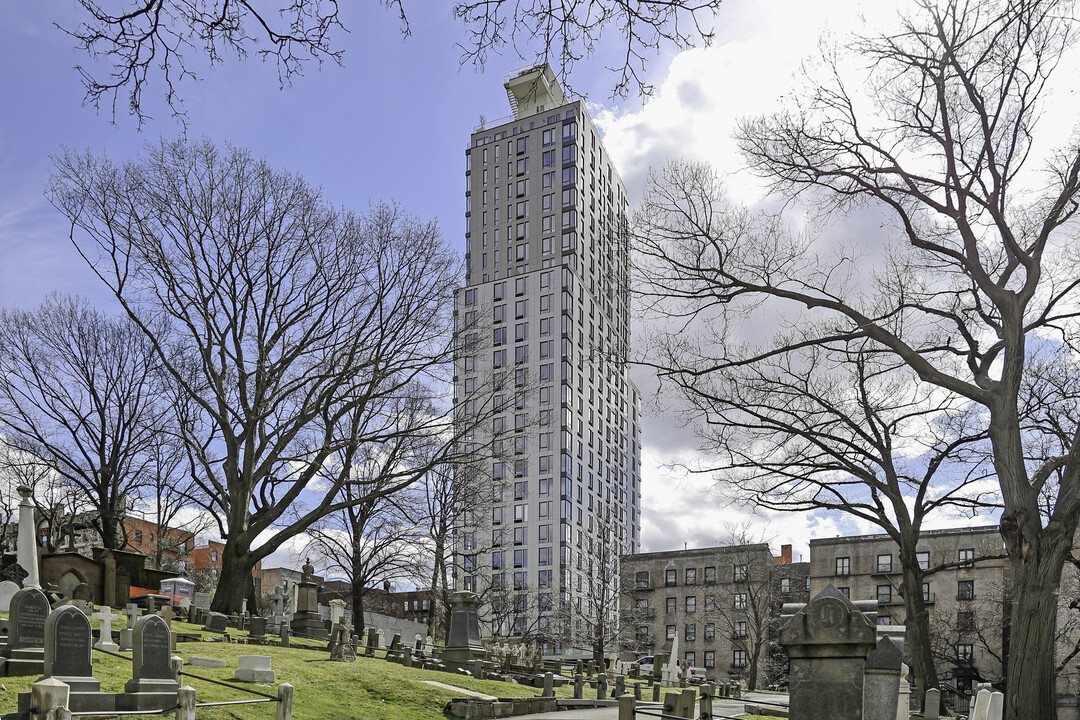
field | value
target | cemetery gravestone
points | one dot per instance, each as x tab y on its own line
7	591
216	622
257	628
105	641
881	680
127	635
463	641
152	683
827	641
26	632
67	650
932	704
255	669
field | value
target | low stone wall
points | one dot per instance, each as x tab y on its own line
509	707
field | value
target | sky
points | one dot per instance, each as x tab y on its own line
392	123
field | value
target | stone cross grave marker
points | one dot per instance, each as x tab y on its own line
67	649
105	641
166	613
131	614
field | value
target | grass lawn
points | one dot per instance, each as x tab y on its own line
372	689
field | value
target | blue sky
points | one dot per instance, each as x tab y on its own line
393	123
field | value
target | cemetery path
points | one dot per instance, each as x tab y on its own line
721	706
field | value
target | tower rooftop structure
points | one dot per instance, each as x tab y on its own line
532	89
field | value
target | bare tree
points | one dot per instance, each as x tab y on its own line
297	330
375	538
79	391
149	39
981	280
837	426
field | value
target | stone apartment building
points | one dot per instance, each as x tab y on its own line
966	597
722	603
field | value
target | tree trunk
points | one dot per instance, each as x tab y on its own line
234	582
358	607
436	590
1031	685
755	659
917	617
111	534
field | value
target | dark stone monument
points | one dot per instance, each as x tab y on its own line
152	685
27	614
307	621
216	622
463	639
881	680
827	640
257	628
67	658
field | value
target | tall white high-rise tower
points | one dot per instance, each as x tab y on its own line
544	322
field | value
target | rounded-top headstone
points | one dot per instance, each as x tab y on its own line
67	643
27	614
152	649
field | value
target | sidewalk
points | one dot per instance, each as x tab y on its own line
721	707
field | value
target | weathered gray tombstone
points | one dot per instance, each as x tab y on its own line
152	685
167	614
827	641
67	658
342	649
372	642
549	685
881	679
216	622
997	706
620	685
7	591
255	669
932	704
656	692
602	686
637	691
579	684
463	641
406	657
283	633
257	628
27	616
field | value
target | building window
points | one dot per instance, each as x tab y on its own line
710	659
691	576
843	566
689	658
738	658
884	563
521	558
923	558
785	585
670	606
739	601
845	591
710	575
690	633
926	593
738	573
670	577
740	629
884	593
213	556
643	634
641	579
965	621
669	632
138	538
965	589
964	652
884	620
691	603
710	603
710	631
966	556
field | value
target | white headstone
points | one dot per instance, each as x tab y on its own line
379	639
105	642
255	668
243	606
429	645
997	706
337	610
7	589
903	702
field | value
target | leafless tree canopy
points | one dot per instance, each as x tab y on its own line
977	295
80	392
142	43
299	333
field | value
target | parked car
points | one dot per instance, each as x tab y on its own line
645	668
645	665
